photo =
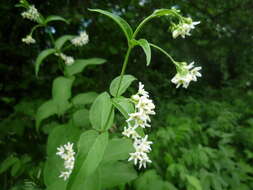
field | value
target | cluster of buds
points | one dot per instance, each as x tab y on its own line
31	13
144	107
185	74
67	153
80	40
28	39
68	60
183	28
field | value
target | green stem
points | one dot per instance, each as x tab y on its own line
67	47
35	27
52	38
121	77
164	52
124	68
141	25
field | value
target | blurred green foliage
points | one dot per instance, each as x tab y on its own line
203	136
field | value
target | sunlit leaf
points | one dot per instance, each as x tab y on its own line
39	60
126	81
62	40
101	112
146	48
120	21
53	18
80	64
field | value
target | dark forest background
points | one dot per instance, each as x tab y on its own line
205	130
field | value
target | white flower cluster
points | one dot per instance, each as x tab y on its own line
28	40
186	74
140	118
67	153
183	28
68	60
80	40
31	13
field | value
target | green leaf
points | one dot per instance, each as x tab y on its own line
61	89
41	57
84	98
91	163
58	184
62	40
46	110
59	136
194	182
95	155
146	48
81	118
85	143
7	163
52	18
149	180
125	83
121	22
80	64
16	168
61	92
102	112
118	149
163	12
116	173
123	105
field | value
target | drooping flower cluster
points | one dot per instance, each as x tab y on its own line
67	153
185	74
80	40
28	39
68	60
183	28
31	13
144	107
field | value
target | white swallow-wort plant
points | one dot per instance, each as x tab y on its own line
87	148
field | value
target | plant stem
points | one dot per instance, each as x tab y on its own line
141	25
67	47
35	27
52	38
121	77
164	52
124	68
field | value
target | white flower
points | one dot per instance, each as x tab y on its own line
144	160
31	13
130	132
184	75
181	79
142	147
69	147
141	90
28	40
80	40
135	97
195	73
183	28
140	118
135	156
64	175
142	2
68	60
67	153
146	105
61	151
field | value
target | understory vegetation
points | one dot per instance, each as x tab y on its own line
86	103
